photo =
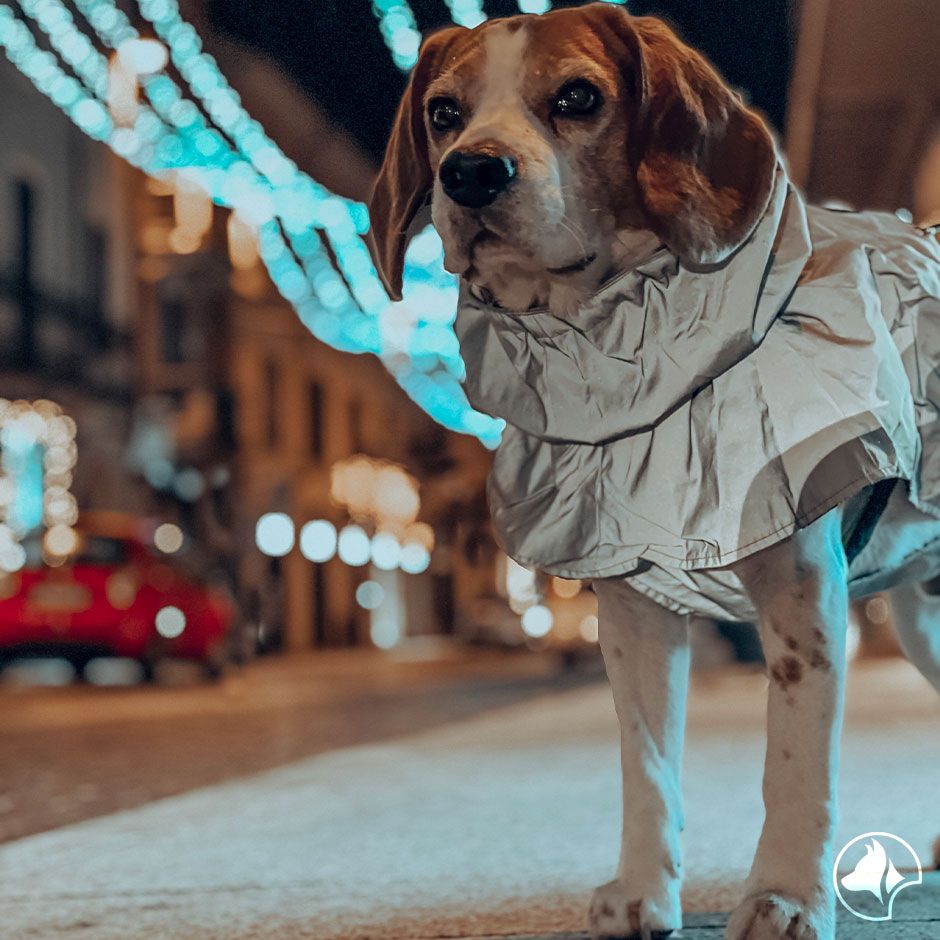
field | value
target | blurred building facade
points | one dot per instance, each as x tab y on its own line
863	118
67	284
199	397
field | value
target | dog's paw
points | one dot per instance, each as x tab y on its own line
619	913
769	916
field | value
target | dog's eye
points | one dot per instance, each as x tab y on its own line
576	99
444	114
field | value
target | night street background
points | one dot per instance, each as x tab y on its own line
265	672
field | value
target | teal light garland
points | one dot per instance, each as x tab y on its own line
241	168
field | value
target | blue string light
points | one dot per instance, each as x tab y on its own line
466	12
399	30
241	168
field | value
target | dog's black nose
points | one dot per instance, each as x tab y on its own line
474	180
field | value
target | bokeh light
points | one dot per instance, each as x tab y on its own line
168	538
60	541
385	632
414	558
170	622
386	551
370	595
537	621
143	56
318	540
353	546
274	534
588	628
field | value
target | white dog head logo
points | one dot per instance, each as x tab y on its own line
875	872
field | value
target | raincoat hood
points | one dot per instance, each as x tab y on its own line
689	417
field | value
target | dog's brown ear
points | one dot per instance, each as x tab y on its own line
704	162
405	178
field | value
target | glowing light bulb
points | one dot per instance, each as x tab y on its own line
537	621
274	534
588	629
386	551
414	559
168	538
369	595
353	546
318	540
170	622
143	56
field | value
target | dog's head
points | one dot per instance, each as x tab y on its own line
542	140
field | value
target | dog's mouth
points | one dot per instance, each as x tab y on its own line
483	237
486	236
576	266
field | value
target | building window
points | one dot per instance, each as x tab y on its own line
25	207
95	271
271	401
320	633
315	404
173	330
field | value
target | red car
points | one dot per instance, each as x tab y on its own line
115	595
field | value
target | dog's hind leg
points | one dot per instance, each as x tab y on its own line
916	610
646	651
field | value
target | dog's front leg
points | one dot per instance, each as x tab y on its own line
799	589
646	651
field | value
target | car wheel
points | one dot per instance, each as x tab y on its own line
148	671
81	669
215	664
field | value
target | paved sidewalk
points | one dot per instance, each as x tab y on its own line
72	753
497	826
916	917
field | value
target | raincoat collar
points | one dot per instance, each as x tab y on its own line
646	341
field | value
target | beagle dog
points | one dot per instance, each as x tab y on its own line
557	151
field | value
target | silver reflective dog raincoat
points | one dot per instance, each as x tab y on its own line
682	419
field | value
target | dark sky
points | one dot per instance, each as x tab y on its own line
334	50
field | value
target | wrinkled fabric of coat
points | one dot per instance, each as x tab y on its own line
683	419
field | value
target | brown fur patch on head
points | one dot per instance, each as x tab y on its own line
703	162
